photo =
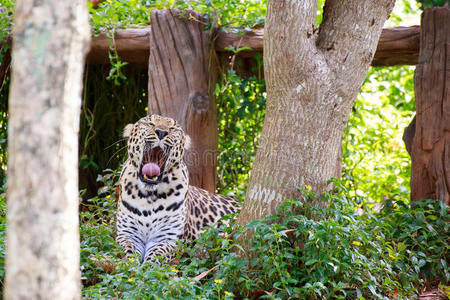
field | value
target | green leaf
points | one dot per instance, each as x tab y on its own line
310	262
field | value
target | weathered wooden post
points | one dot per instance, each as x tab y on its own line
182	79
430	170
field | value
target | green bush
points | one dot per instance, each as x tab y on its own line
307	252
302	252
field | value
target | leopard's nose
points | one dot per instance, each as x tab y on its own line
161	133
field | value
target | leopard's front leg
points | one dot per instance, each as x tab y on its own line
130	243
165	250
127	245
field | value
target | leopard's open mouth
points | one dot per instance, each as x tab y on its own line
153	165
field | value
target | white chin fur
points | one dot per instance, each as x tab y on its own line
144	188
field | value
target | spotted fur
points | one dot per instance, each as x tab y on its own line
153	214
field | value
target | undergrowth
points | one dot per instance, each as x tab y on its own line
303	252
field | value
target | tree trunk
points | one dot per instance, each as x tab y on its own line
182	79
312	79
50	41
430	169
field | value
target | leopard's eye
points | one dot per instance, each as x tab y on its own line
146	123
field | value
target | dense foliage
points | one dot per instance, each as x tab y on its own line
374	158
433	3
231	14
5	20
302	252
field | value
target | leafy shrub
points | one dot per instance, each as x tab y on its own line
308	252
302	252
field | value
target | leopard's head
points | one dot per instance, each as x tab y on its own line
156	146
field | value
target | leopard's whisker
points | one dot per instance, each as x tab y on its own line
115	154
115	143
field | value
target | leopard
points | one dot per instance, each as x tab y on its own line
157	207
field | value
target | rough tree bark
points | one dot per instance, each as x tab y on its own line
50	41
312	79
430	168
182	79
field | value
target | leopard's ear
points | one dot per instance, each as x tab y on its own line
187	142
127	130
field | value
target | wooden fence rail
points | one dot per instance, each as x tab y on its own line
397	46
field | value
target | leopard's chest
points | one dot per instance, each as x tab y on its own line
154	215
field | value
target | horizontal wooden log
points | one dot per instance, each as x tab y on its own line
254	40
132	45
397	46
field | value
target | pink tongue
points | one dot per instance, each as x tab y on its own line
151	170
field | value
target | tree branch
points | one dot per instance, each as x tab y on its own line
348	27
301	14
299	18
